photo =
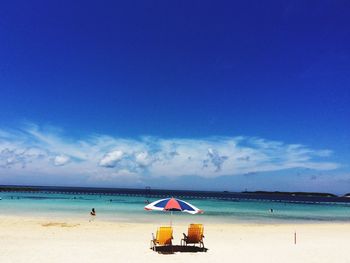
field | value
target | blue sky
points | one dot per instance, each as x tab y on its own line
222	95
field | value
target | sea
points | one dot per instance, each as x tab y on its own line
127	205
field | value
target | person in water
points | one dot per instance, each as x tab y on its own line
93	212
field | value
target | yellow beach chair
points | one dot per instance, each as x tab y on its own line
163	237
194	235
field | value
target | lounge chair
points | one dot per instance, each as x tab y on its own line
194	235
163	237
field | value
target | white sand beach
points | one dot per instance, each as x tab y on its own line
25	239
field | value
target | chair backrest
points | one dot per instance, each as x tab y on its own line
195	233
164	235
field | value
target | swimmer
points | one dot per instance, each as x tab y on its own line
93	212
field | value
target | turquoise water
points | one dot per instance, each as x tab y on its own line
130	208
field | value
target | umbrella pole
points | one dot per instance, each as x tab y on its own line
171	218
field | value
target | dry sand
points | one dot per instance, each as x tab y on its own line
46	240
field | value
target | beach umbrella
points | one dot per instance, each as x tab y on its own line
173	204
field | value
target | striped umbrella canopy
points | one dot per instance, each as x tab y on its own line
173	204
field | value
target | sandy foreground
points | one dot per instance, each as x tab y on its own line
46	240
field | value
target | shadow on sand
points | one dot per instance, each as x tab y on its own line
174	249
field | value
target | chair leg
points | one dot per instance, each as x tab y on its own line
152	245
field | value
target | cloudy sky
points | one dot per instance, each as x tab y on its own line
187	95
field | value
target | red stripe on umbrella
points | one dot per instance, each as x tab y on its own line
172	204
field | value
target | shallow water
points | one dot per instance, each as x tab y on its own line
131	209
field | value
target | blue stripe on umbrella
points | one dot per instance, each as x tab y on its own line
162	203
185	206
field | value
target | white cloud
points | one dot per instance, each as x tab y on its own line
111	159
36	149
142	158
215	159
61	160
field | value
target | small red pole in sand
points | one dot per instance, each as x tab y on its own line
295	238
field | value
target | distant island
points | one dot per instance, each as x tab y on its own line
309	194
148	191
41	188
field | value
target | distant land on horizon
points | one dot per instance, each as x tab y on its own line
147	191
